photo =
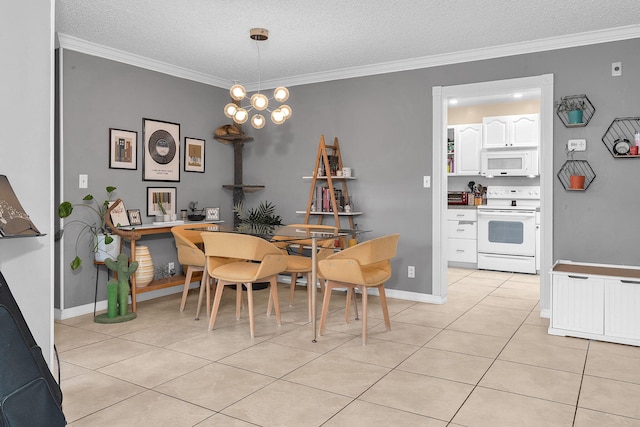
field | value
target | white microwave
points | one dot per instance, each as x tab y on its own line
511	162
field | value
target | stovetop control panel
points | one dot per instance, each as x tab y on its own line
525	192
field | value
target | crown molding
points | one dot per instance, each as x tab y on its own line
552	43
79	45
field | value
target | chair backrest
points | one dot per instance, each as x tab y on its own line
238	246
186	244
371	251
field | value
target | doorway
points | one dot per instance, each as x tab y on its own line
441	96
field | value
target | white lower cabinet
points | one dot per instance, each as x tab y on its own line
596	301
462	235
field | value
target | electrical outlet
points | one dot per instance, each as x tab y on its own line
411	272
426	181
83	181
172	268
616	69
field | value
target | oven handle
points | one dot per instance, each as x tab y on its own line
511	214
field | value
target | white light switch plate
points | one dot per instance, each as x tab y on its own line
577	144
427	182
83	181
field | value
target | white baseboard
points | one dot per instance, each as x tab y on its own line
81	310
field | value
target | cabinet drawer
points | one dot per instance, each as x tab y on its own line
463	250
462	214
462	229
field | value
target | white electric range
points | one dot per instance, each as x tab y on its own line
507	229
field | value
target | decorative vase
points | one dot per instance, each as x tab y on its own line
575	116
576	182
104	251
145	272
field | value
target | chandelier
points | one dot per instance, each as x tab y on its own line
258	101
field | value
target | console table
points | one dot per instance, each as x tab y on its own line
149	229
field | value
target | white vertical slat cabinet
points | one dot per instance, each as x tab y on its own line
622	312
578	303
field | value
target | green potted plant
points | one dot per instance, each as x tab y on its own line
574	107
261	220
103	244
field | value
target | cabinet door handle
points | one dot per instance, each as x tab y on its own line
460	230
459	251
630	281
578	277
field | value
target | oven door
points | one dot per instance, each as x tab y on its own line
507	232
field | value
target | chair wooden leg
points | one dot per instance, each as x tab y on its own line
350	293
250	303
273	292
354	297
185	291
204	286
325	305
385	309
238	300
216	303
292	288
363	289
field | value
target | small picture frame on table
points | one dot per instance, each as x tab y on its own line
212	214
161	196
119	216
123	149
193	155
134	216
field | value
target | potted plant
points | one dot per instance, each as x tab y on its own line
103	244
574	107
576	181
261	220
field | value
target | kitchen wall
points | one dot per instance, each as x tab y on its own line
383	123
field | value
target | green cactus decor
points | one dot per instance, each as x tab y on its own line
118	291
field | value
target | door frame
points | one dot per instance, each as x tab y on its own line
441	96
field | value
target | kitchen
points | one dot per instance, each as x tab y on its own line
493	215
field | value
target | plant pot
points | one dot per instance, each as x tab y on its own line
575	116
576	182
103	251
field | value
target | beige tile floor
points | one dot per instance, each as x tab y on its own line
482	359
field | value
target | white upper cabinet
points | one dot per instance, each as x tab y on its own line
522	130
469	143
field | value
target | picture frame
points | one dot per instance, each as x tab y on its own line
123	149
119	216
212	214
194	155
161	151
166	196
134	216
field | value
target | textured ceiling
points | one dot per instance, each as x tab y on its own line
311	37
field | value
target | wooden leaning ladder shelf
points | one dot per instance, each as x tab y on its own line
333	181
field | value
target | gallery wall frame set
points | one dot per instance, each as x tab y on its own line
123	149
161	151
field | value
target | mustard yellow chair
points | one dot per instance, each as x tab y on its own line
297	264
191	256
366	265
260	261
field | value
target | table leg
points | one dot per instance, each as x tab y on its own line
314	290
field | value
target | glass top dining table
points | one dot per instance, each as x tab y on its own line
307	235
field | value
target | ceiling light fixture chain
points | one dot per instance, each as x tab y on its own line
258	101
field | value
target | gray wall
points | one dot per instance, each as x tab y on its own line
384	126
26	108
99	94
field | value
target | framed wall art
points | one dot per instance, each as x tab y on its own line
161	151
123	149
134	216
193	155
159	199
119	216
212	214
